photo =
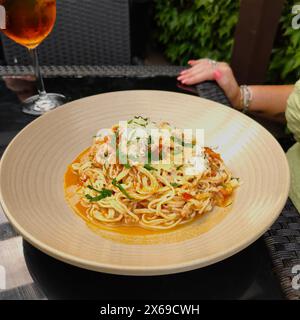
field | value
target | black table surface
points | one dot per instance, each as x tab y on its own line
246	275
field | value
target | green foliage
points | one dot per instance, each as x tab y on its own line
285	59
201	28
205	28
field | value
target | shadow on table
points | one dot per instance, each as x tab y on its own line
246	275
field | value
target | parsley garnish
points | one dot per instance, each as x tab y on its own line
119	186
104	193
174	184
138	118
148	167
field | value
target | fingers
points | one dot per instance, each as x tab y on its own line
202	71
194	62
201	63
191	71
19	83
196	77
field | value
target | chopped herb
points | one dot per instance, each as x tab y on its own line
149	149
173	184
141	124
127	165
104	193
148	167
119	186
92	188
140	117
179	167
228	205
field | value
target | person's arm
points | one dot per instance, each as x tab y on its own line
271	100
268	100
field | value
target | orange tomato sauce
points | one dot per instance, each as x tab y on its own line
71	183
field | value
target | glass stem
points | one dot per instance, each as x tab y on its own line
37	71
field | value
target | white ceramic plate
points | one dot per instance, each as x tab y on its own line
32	171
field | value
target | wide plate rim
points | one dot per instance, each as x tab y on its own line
129	269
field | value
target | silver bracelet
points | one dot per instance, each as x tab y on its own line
246	98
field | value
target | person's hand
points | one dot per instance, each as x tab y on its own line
23	86
205	70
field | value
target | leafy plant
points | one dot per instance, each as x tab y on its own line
201	28
285	58
205	28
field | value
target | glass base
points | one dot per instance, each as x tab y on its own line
40	104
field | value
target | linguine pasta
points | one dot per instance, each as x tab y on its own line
141	182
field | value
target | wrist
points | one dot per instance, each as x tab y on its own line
246	97
236	99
